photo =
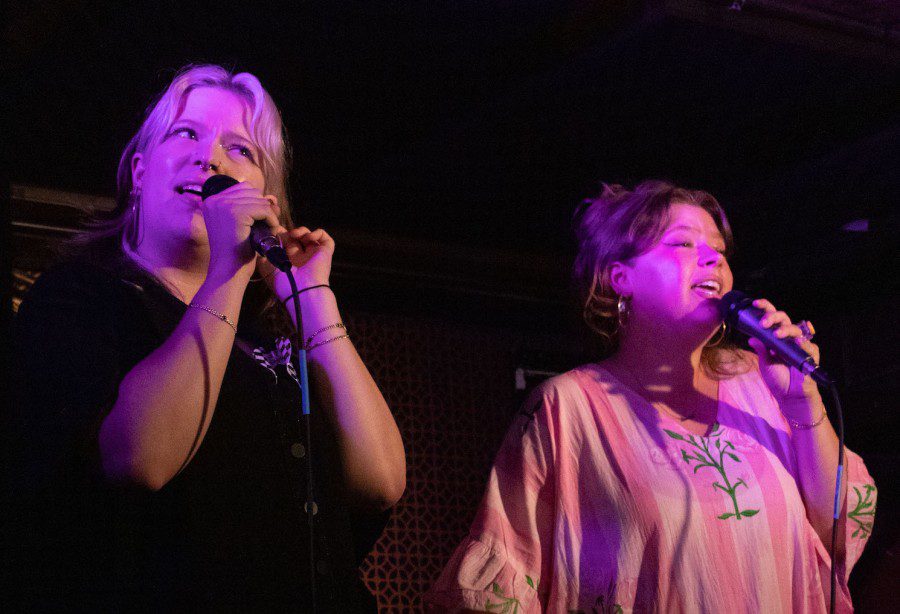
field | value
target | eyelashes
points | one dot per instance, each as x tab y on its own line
690	245
239	148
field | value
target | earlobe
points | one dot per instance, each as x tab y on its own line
620	278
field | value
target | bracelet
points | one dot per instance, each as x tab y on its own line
302	290
221	316
322	330
796	425
321	343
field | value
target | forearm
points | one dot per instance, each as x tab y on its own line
167	400
816	454
369	442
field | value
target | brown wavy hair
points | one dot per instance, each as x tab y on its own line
620	224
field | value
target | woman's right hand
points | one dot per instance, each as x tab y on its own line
228	216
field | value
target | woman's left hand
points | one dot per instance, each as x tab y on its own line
786	383
310	253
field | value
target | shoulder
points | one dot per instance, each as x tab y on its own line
72	296
564	397
73	278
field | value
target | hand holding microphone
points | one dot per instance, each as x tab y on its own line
261	238
740	312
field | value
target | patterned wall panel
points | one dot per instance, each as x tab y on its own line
451	388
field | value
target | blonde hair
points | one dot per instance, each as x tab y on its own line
266	132
618	225
111	234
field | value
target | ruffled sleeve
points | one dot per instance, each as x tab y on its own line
859	509
500	565
856	522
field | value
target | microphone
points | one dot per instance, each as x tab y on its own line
738	311
261	237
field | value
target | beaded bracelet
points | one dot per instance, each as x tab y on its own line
797	425
301	291
221	316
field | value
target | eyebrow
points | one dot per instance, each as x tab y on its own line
230	134
692	229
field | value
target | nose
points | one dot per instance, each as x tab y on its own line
709	256
207	157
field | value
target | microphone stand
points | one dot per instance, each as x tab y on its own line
310	506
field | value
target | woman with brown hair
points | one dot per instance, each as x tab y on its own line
678	473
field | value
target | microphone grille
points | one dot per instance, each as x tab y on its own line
729	302
216	184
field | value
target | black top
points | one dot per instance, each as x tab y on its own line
228	533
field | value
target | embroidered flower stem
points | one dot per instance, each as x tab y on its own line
706	458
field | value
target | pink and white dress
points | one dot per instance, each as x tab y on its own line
598	503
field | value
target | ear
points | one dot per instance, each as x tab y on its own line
137	169
620	278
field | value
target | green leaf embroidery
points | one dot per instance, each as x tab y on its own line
506	605
705	457
863	513
674	435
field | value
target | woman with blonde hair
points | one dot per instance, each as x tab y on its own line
166	458
678	473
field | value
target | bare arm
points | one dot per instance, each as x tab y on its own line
816	453
165	403
369	442
167	400
815	448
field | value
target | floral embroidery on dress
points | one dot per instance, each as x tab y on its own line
281	355
506	605
704	456
863	514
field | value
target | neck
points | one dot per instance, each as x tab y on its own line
182	272
661	360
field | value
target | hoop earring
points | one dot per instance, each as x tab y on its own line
624	310
722	332
135	224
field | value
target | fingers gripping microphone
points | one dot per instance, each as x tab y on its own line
738	312
261	237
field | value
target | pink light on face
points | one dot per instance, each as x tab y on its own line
209	136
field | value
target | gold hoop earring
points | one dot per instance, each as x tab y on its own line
722	331
624	310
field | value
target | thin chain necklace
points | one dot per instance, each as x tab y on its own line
662	407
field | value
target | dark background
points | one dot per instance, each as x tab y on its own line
445	145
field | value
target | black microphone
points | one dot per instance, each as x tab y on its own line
261	237
738	312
